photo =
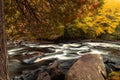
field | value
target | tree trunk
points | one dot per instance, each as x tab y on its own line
3	52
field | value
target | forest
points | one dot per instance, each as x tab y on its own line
68	19
60	39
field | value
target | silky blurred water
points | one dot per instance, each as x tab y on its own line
65	53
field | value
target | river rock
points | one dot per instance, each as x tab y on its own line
56	71
88	67
43	76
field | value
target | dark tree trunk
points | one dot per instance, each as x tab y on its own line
3	52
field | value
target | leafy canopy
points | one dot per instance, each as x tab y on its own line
104	22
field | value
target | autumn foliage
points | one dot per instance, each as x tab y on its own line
50	19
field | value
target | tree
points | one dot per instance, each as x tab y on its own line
45	19
3	52
103	23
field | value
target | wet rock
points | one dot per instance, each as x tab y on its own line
27	75
43	76
112	63
13	67
88	67
55	71
112	66
37	74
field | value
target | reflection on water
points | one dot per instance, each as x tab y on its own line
65	53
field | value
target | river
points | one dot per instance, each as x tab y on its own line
30	56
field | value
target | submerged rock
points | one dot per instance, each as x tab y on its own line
88	67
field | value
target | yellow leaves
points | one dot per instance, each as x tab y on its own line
98	17
82	26
99	30
17	13
107	17
105	22
89	24
114	25
111	6
113	76
109	30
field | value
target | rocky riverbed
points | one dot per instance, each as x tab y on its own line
28	56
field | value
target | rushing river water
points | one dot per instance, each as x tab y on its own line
30	56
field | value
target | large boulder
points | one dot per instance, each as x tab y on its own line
88	67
